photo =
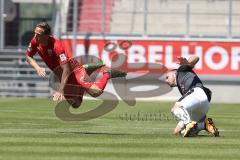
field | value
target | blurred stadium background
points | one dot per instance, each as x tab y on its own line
158	29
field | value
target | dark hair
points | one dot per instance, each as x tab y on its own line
45	26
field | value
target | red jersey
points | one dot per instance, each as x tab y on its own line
53	54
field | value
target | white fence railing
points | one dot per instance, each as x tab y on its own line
17	78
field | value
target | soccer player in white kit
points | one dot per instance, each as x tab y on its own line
191	109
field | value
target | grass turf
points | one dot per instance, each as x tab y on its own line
29	129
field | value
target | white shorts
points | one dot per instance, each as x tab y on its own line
196	103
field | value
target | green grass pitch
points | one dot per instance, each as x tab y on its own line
29	129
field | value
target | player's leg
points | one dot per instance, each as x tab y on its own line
179	128
91	67
113	73
83	80
199	111
208	125
96	88
181	113
73	95
199	105
201	124
185	124
73	92
191	109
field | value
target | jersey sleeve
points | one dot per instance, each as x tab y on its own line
184	68
32	48
60	53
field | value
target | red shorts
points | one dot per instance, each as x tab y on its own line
78	82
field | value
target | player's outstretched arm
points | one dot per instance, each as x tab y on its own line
65	73
191	61
40	71
59	95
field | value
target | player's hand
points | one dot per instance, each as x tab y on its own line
41	72
57	96
182	61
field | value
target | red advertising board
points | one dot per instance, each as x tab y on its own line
216	58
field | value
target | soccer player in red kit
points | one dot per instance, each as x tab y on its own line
67	69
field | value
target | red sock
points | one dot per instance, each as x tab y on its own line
102	82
